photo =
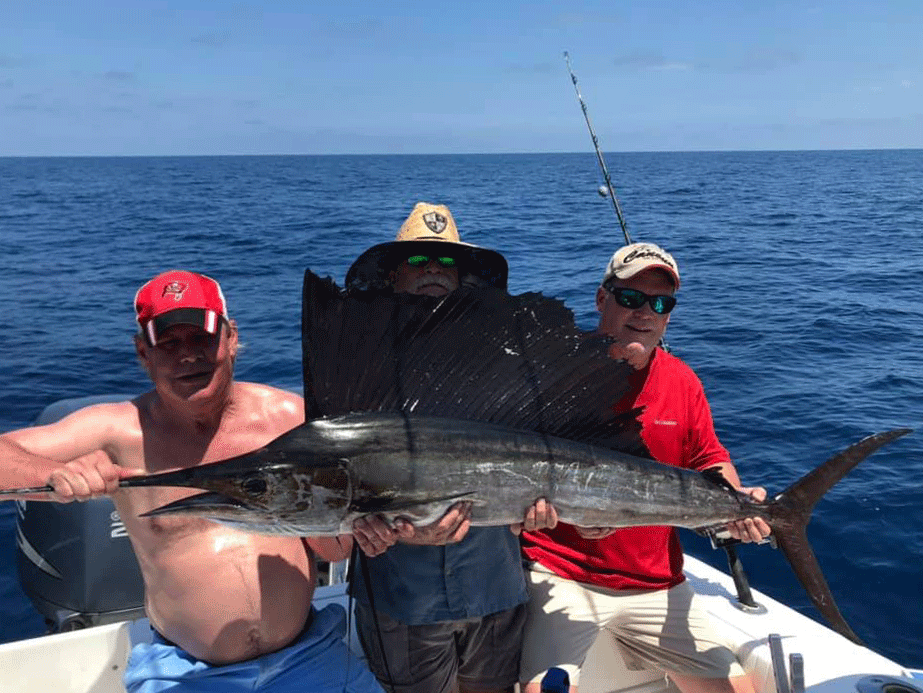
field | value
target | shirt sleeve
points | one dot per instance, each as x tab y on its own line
703	449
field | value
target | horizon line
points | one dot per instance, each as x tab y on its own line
431	154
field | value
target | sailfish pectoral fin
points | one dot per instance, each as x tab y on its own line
418	512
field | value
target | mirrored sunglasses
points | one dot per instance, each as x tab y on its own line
634	299
424	260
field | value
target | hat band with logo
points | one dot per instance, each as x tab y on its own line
637	257
428	230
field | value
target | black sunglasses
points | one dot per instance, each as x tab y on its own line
634	299
424	260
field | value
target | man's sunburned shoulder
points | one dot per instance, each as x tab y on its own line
113	415
271	398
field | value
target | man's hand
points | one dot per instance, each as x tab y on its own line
540	515
449	529
330	549
751	528
375	536
86	477
595	532
634	353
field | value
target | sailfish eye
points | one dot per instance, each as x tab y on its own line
255	485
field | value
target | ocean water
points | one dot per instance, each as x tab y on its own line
800	307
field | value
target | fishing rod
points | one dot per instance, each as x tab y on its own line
724	541
609	189
26	491
131	482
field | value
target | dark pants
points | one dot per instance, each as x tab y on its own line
481	653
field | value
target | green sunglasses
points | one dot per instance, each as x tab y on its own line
634	299
424	260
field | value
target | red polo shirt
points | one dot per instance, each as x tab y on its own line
678	430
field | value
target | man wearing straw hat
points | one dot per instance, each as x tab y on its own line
427	620
427	246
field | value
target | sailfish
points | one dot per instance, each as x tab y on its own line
414	403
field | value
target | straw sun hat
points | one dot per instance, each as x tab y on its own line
429	230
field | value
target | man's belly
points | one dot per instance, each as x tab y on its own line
226	596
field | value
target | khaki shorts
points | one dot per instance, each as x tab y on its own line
662	630
482	653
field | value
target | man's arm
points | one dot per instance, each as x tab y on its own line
72	455
751	528
20	468
331	549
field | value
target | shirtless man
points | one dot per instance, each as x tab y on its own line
225	605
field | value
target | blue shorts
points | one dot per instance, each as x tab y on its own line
318	660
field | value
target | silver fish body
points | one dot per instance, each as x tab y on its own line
433	462
320	476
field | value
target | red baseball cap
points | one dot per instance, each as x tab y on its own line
178	297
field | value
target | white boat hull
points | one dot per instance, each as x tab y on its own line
93	660
832	664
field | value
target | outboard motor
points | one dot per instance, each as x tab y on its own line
76	562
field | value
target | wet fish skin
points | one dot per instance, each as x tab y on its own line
319	477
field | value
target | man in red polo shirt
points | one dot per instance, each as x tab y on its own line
630	581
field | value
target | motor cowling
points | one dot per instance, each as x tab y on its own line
76	563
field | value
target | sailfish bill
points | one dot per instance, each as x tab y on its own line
417	402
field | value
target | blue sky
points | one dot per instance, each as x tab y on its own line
276	77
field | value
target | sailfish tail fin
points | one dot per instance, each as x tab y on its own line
790	512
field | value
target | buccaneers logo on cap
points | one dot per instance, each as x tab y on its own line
435	222
176	289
